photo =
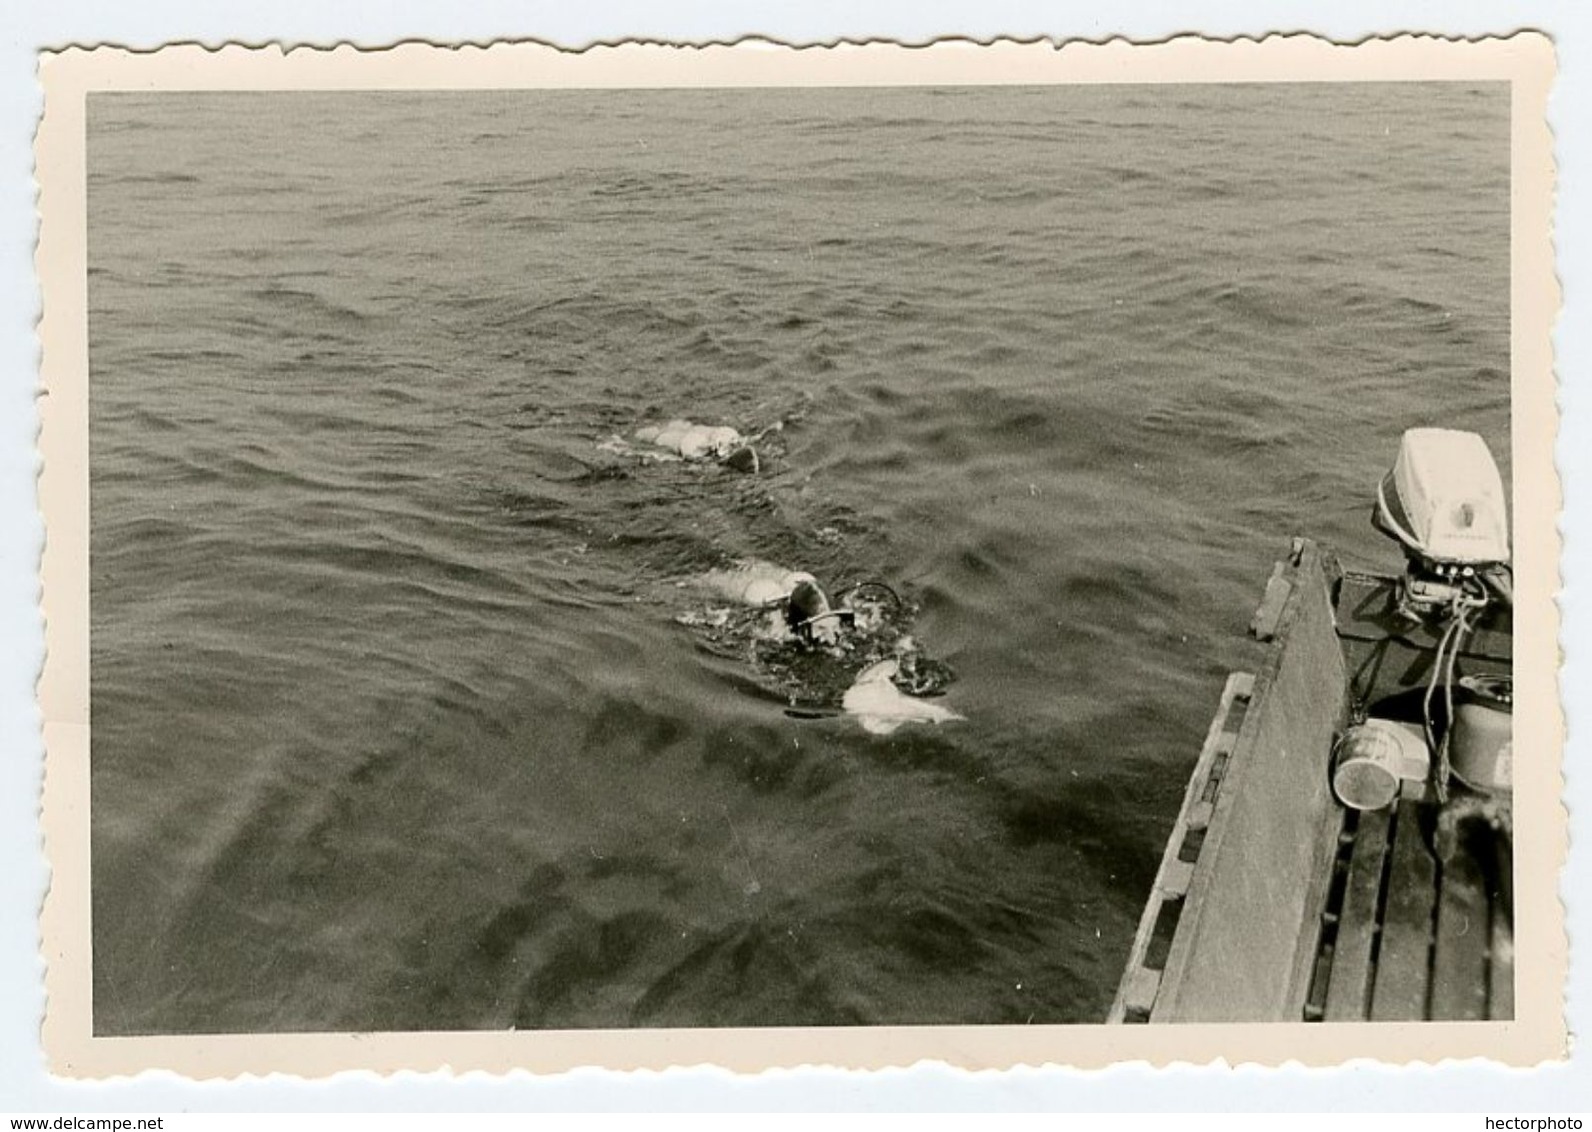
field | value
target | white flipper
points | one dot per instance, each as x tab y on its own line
881	707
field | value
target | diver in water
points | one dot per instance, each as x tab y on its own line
883	693
818	625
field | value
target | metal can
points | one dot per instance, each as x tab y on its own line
1481	749
1374	759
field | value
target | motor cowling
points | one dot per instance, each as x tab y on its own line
1444	500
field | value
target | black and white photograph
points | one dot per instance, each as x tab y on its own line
761	556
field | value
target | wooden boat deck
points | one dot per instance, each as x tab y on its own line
1273	902
1406	939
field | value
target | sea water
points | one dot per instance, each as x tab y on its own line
402	715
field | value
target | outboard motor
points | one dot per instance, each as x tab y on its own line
1443	502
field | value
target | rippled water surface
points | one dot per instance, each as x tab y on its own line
398	721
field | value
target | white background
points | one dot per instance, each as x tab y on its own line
32	25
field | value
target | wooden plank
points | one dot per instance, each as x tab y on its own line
1239	686
1138	991
1349	987
1246	944
1175	877
1501	948
1263	626
1318	883
1501	967
1459	962
1403	970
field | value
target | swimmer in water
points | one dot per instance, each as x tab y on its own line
691	441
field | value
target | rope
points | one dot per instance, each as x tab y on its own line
1440	778
1444	665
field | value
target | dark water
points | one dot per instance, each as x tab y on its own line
395	724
